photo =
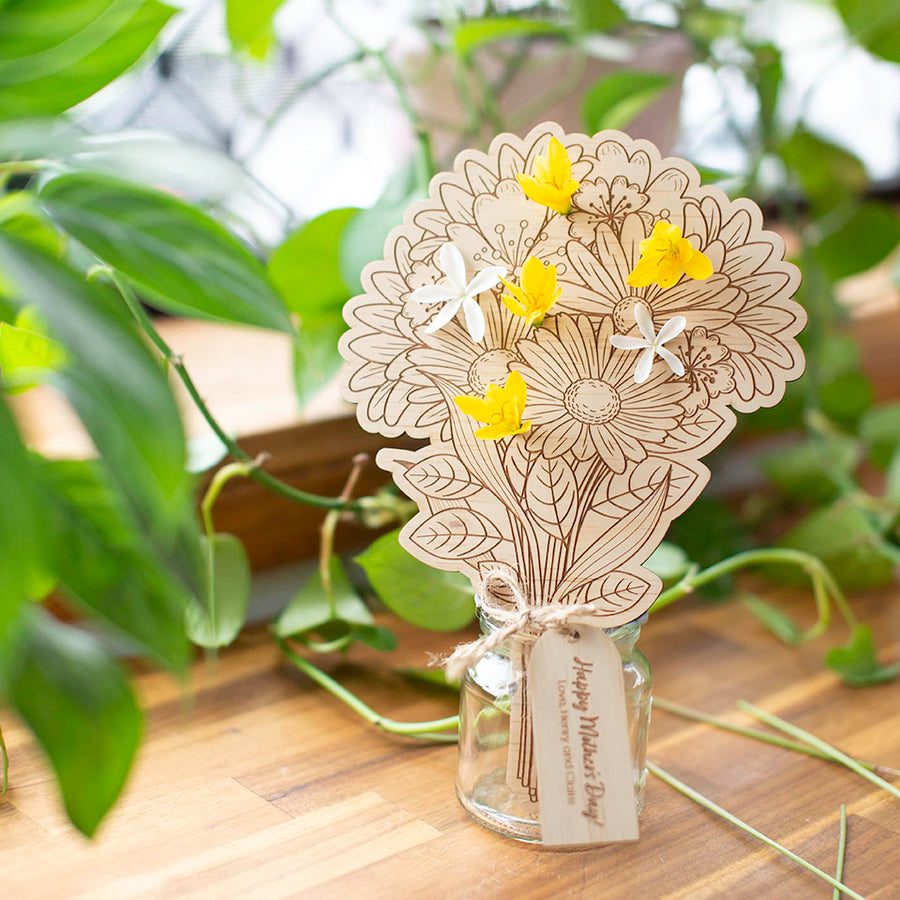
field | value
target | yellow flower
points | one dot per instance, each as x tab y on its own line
535	293
665	255
501	408
552	183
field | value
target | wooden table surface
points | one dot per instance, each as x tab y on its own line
266	786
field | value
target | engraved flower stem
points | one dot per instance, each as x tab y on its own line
175	361
706	803
696	715
427	731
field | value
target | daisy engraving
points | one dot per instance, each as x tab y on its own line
583	399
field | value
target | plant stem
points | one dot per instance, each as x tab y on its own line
423	730
686	712
175	361
842	850
705	802
812	565
5	758
831	752
329	526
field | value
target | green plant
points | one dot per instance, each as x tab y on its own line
118	537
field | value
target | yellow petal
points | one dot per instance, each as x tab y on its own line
515	387
474	407
493	432
644	272
514	306
523	427
560	166
668	272
697	265
666	231
532	271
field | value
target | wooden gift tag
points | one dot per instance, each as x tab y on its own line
585	775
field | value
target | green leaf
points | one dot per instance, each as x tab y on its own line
249	24
846	540
183	258
813	469
596	15
79	705
315	356
879	429
311	607
27	356
107	566
769	75
436	677
863	240
426	597
875	24
306	267
845	398
708	532
669	562
120	393
376	636
892	480
778	622
20	215
217	622
477	33
857	663
615	100
22	535
829	174
55	54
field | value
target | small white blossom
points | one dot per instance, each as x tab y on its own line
651	343
457	293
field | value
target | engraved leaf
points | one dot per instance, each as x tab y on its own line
516	462
630	489
442	477
613	592
456	534
699	434
619	543
551	493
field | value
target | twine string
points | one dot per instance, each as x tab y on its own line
504	601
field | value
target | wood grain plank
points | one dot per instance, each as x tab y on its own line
265	786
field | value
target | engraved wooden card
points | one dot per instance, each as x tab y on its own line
570	322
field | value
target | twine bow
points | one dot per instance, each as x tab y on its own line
502	599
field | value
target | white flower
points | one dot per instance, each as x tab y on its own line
456	292
651	343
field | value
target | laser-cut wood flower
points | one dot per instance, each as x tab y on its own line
572	490
535	293
552	184
651	343
501	409
458	293
666	256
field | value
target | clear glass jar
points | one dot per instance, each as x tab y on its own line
481	780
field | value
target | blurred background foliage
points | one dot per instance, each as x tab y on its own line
242	160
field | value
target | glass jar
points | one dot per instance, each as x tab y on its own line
484	724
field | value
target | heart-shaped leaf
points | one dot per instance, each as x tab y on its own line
426	597
856	662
